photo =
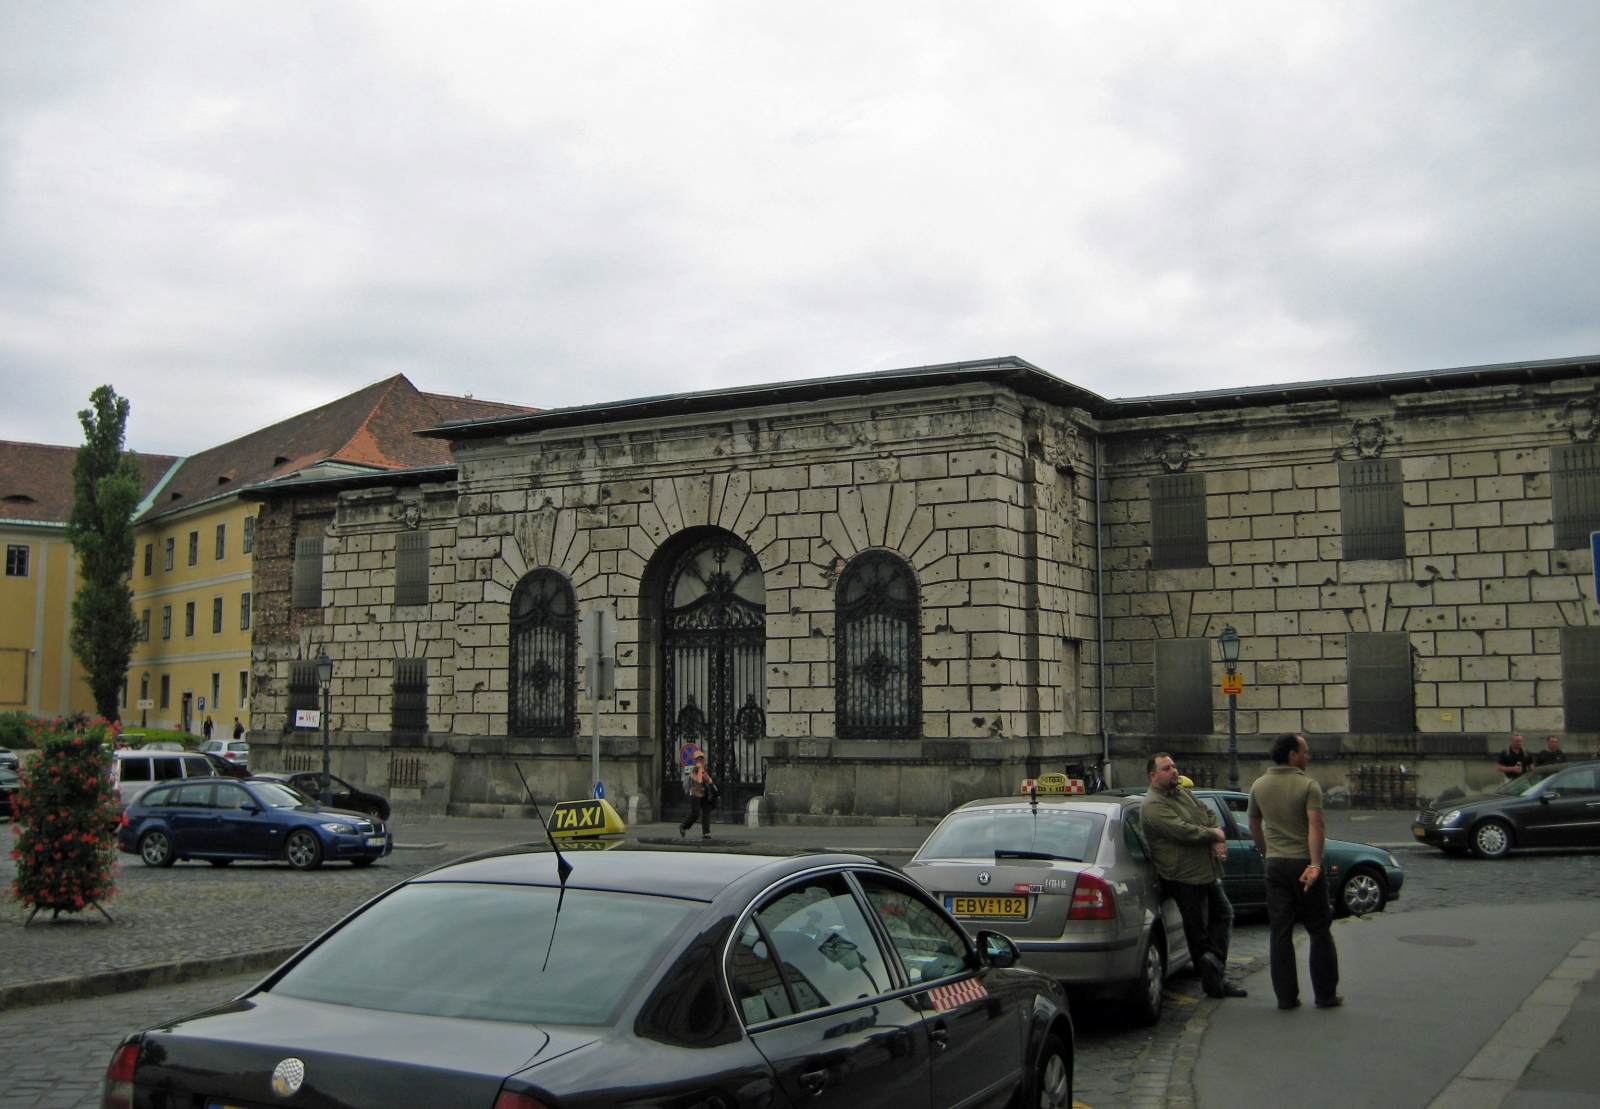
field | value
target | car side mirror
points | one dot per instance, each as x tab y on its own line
1550	795
996	950
251	807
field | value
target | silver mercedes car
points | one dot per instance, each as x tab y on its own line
1069	880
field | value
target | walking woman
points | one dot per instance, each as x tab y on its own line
701	789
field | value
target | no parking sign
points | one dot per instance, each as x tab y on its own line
686	754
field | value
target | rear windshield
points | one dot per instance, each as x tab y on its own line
457	949
1060	833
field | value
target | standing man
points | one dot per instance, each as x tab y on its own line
1286	824
1552	753
1187	848
1513	762
238	729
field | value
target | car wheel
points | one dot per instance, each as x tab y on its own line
303	850
1145	998
155	848
1362	893
220	862
1491	840
1052	1079
360	862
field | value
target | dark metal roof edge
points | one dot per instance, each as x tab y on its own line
1010	370
1411	381
414	475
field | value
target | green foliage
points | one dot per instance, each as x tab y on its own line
66	823
14	732
106	486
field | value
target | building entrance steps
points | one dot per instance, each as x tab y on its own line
1429	996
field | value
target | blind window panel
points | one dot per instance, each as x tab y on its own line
410	713
1178	521
1381	688
1372	510
1183	687
305	692
411	568
1580	678
308	572
1575	493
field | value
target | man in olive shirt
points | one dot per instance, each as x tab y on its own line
1286	824
1187	849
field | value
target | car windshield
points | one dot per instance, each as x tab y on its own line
458	949
1058	833
276	796
9	778
1516	787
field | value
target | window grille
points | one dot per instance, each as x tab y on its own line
166	691
878	669
166	621
1183	687
1575	493
1580	678
171	547
244	689
544	633
410	712
149	558
248	543
1371	509
305	692
406	772
222	542
194	548
411	568
1178	521
144	627
188	618
244	611
17	560
308	572
1380	683
216	616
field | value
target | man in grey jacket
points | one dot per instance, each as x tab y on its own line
1187	848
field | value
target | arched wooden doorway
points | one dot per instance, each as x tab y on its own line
713	670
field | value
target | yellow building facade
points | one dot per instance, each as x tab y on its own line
38	673
192	599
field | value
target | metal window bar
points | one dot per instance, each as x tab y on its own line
1580	678
409	712
1575	493
406	772
307	592
1178	536
1183	687
1371	509
544	637
411	568
1381	692
305	692
878	671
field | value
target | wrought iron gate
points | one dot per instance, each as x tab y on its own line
713	656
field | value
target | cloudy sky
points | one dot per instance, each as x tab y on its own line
233	212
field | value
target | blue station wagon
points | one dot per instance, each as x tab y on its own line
222	819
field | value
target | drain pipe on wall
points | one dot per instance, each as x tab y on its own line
1100	612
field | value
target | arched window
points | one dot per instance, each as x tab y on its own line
544	634
877	668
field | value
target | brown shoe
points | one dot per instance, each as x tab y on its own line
1330	1002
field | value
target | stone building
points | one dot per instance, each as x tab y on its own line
883	595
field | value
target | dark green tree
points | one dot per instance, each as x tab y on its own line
106	486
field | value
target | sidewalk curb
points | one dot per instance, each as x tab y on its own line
76	987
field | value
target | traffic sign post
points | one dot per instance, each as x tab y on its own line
600	672
1594	555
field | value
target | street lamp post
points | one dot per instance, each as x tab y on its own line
325	676
1228	643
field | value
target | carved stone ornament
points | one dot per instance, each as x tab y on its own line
411	516
1580	419
1365	439
1175	452
1053	440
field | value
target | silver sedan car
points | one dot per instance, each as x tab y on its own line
1069	880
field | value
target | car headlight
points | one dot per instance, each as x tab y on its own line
1449	818
340	829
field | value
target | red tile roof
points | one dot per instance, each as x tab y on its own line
370	427
36	480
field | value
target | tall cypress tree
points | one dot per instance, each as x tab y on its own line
106	484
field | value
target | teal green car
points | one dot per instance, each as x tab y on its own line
1361	879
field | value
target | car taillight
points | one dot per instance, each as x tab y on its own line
1093	899
123	819
119	1078
513	1099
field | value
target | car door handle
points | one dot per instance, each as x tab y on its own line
940	1035
812	1082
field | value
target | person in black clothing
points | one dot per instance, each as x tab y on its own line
1514	761
207	727
1552	753
238	729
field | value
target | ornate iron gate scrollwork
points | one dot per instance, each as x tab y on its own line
714	654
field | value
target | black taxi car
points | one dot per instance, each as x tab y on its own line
1551	806
646	978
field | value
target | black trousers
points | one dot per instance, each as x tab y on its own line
1208	928
1288	904
699	809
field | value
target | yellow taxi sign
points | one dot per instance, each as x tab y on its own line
1232	684
592	817
1052	783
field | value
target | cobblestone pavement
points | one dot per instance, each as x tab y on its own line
51	1057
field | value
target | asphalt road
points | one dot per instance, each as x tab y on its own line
51	1057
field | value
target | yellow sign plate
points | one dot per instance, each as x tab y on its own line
594	817
1233	684
988	906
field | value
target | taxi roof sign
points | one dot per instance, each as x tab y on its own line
592	817
1052	783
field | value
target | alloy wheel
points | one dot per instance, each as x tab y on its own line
156	849
303	851
1362	893
1055	1081
1492	840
